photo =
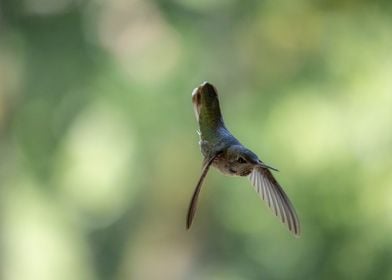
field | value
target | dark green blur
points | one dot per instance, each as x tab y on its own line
98	143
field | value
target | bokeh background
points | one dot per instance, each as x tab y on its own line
99	154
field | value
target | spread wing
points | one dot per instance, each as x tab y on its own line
272	193
193	203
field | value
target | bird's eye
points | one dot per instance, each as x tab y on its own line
241	160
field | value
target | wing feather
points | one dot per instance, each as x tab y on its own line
193	203
272	193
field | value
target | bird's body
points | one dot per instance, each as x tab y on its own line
223	151
227	151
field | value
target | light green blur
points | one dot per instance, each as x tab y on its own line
98	143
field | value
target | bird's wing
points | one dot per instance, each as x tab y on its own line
193	203
272	193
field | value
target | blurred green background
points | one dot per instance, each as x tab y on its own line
99	154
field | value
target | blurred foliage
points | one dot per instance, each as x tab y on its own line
99	153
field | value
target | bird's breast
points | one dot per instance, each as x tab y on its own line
223	166
228	168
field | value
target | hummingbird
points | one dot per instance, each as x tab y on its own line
224	152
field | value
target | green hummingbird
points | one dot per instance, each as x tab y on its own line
223	151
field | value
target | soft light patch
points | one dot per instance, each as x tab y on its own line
38	242
98	153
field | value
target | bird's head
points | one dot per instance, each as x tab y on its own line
205	101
